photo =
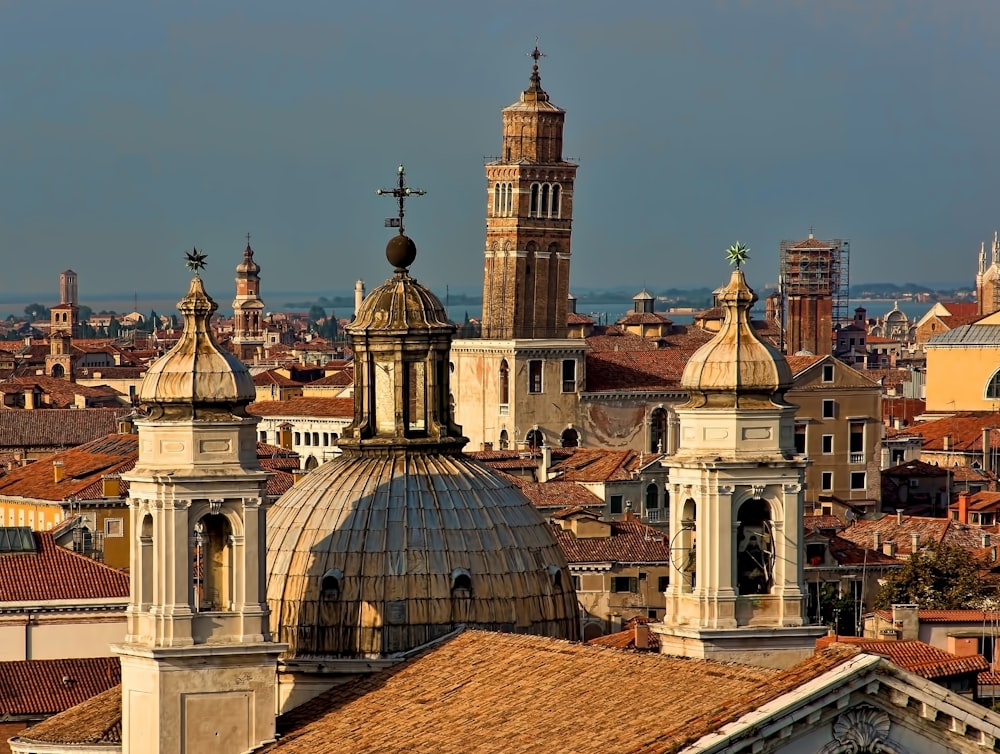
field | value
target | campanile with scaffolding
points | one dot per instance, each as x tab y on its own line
815	291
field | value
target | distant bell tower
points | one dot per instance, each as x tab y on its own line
248	309
65	317
528	221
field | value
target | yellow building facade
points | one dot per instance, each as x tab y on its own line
963	368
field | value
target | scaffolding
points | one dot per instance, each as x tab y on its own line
816	267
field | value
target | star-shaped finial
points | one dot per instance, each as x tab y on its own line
195	260
737	254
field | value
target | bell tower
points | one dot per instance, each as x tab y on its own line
529	214
736	489
198	663
248	309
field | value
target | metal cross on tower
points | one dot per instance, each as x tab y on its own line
401	192
536	53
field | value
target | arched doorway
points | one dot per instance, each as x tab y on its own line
504	440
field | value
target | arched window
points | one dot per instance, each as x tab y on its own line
330	586
652	496
555	574
556	201
311	463
754	548
534	438
496	199
657	430
510	199
993	386
570	438
504	440
683	546
58	371
461	583
212	567
533	204
545	201
504	383
146	561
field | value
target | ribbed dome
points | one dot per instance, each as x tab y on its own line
736	368
248	265
196	378
370	555
400	305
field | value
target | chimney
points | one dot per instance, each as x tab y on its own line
889	548
544	462
877	540
914	542
616	623
111	485
298	475
487	446
29	398
963	507
946	442
57	471
907	620
899	516
641	636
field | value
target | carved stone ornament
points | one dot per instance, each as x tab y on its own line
757	490
792	488
862	730
726	489
215	505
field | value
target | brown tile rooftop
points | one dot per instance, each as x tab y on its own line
30	428
94	722
557	494
44	687
915	656
630	541
597	465
479	688
319	407
52	572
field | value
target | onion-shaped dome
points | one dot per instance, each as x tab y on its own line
248	266
371	555
196	378
736	368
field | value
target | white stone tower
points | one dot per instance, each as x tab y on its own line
736	490
198	663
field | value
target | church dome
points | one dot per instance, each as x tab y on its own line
372	555
402	538
248	266
736	369
196	378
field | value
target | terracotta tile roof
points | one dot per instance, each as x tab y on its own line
34	428
811	523
279	482
597	465
535	694
273	377
888	377
631	541
848	553
55	573
915	656
643	318
45	687
953	616
265	450
964	428
811	243
343	378
318	407
94	722
862	532
625	639
62	392
83	466
800	363
915	469
961	308
904	409
572	318
557	494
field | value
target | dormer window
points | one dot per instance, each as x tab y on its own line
461	584
330	585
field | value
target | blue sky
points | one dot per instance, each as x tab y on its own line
130	131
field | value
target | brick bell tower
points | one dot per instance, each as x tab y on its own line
528	221
248	309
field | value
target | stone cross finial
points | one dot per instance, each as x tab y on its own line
401	192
